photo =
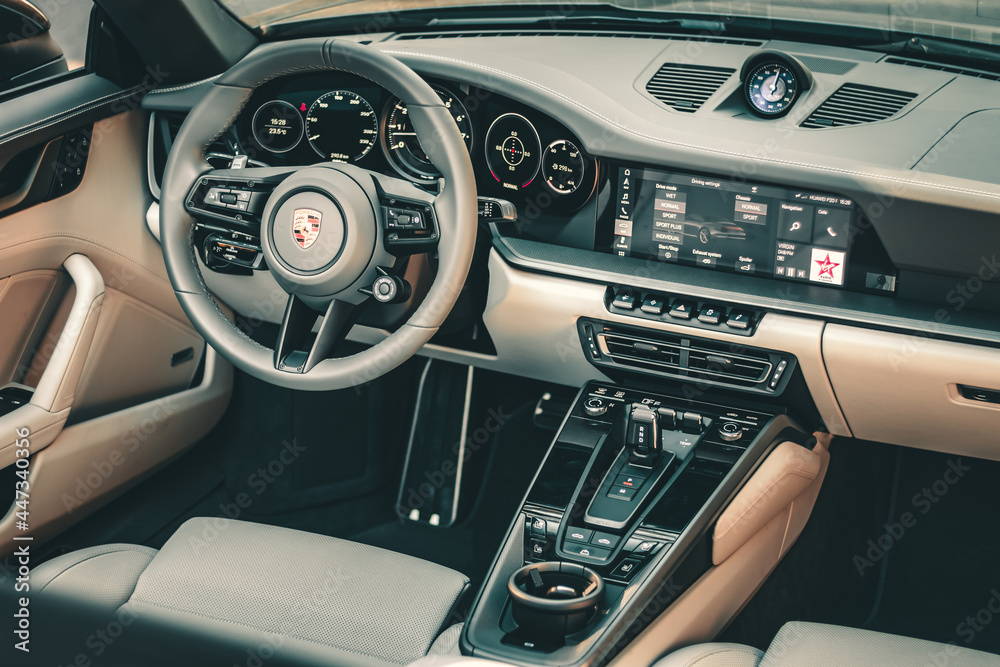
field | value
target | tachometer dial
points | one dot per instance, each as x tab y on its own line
400	144
341	126
563	167
771	89
513	151
277	126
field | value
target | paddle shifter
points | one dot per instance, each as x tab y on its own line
642	436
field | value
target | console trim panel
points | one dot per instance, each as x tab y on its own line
482	635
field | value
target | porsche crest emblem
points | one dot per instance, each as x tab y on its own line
305	226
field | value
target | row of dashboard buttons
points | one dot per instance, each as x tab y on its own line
655	304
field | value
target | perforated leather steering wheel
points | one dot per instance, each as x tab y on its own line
321	227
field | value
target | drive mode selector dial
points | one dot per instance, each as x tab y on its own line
731	432
595	407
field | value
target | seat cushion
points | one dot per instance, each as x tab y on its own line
231	587
447	642
105	576
713	655
818	645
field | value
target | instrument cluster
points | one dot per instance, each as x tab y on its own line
518	153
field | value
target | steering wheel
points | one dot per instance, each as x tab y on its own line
329	233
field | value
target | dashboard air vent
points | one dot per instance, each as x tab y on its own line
686	87
582	33
854	104
698	360
951	69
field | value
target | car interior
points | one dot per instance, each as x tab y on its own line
450	333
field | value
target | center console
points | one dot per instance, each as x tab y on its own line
616	522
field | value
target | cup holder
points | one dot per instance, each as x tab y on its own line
551	600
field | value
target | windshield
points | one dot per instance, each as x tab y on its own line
964	20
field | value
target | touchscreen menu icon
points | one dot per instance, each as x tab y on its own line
795	222
827	266
832	227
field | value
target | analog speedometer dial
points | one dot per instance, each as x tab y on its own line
341	126
400	143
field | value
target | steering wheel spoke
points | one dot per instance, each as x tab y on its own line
296	351
233	195
408	217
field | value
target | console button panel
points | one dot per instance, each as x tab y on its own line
651	503
660	307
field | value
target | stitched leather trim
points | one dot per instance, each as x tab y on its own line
681	144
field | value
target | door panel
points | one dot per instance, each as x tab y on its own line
139	360
26	300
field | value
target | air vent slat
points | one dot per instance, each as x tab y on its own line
686	359
855	104
687	87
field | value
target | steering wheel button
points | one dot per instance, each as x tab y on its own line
214	196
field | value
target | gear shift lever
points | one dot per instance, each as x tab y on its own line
642	436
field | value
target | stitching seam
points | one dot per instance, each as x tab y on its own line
67	114
680	144
184	87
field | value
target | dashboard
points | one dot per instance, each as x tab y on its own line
525	156
518	153
806	223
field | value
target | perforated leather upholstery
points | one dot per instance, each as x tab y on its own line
819	645
307	598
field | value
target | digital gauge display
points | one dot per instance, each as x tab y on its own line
342	126
277	126
513	151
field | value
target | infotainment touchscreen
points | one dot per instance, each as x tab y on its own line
732	225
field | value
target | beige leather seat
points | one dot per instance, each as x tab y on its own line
219	591
817	645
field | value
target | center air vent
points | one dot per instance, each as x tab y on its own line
697	360
686	87
854	104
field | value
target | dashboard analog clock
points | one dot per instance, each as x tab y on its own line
771	89
563	167
277	126
513	151
400	144
341	126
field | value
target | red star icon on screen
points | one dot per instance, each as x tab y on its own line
826	266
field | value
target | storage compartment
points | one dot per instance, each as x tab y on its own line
904	390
